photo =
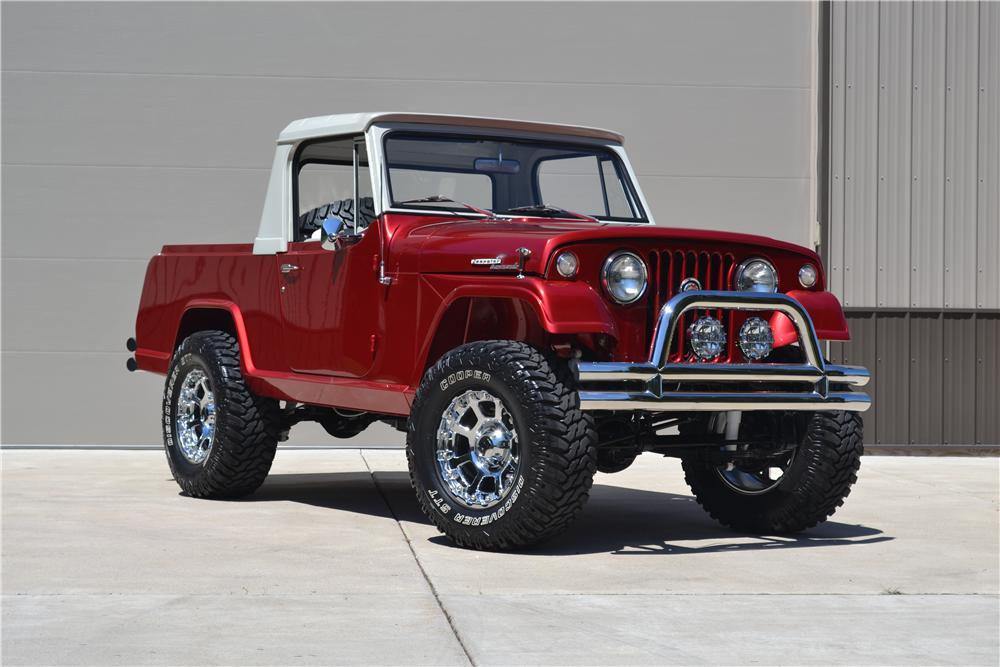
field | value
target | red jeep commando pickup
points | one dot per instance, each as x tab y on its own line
498	289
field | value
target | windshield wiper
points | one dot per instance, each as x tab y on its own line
546	211
441	199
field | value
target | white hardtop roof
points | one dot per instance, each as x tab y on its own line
356	123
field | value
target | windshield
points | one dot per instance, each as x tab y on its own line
509	176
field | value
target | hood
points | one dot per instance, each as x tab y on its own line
452	246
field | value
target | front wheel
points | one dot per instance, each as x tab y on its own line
500	454
787	492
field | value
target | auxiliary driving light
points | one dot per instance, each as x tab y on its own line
707	337
756	339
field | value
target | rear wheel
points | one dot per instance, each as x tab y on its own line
219	436
786	490
500	454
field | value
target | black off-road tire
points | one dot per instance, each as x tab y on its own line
824	467
556	445
246	425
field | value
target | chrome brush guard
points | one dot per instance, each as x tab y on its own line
814	375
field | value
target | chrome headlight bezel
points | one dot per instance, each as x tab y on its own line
756	287
606	276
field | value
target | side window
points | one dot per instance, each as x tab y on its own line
325	185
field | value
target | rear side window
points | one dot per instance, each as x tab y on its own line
327	174
321	183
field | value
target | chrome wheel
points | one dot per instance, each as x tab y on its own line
195	417
754	480
477	449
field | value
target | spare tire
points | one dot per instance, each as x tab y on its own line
312	220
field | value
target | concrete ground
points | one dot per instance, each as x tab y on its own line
331	562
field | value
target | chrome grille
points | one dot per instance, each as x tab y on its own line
714	271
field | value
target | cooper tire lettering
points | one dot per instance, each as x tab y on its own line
461	375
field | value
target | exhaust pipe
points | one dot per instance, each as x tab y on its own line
131	364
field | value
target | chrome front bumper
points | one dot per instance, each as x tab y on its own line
657	377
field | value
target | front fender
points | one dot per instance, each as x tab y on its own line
564	307
825	311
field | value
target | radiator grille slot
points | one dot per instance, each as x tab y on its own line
714	270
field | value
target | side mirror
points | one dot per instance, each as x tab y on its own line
333	228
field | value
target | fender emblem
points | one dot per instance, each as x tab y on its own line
487	261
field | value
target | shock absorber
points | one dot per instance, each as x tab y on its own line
728	423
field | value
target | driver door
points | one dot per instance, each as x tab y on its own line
330	298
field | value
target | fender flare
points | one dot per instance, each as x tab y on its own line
246	356
562	308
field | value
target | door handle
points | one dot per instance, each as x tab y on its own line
288	268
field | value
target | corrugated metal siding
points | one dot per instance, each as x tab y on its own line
959	350
961	154
861	112
914	218
988	379
926	268
935	376
914	244
894	149
892	372
988	243
926	366
835	263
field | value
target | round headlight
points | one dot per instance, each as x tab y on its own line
567	264
807	275
756	339
624	277
756	275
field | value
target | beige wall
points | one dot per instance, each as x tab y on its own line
131	125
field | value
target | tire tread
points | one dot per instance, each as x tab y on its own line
833	448
564	442
247	425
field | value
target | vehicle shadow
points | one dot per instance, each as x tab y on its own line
617	520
